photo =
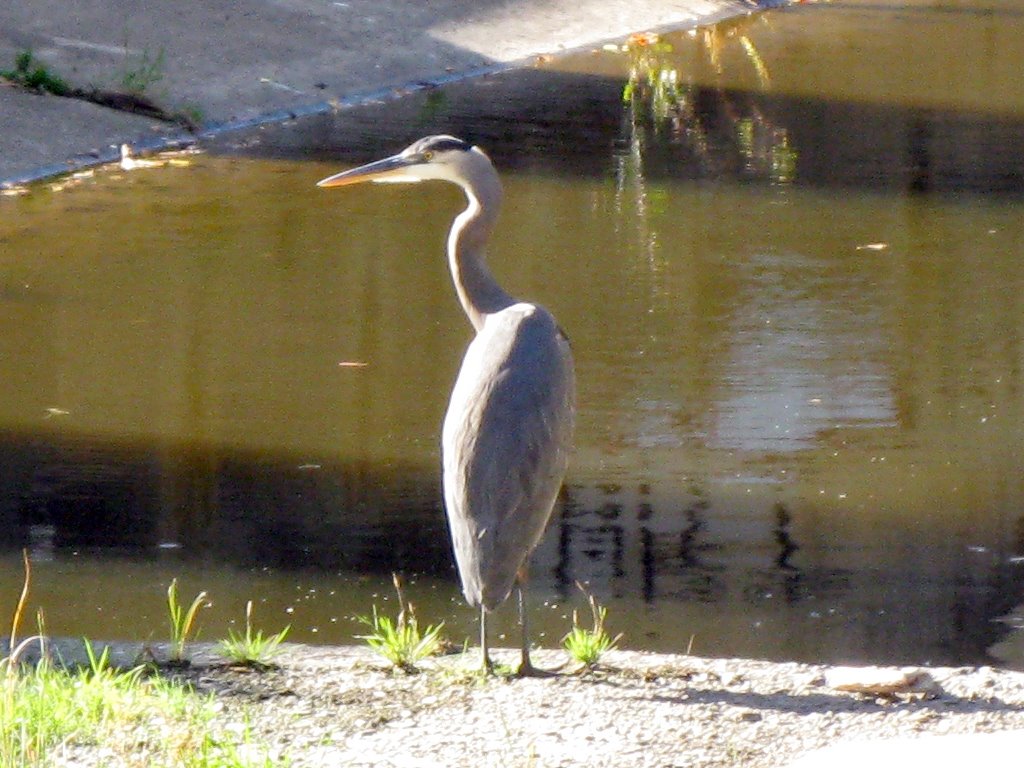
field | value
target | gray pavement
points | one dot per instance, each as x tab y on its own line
235	60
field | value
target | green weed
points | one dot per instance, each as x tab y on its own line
252	649
587	646
51	716
145	71
182	621
133	720
401	641
28	72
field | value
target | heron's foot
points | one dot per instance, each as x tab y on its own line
487	667
526	669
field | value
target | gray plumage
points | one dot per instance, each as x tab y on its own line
505	447
508	429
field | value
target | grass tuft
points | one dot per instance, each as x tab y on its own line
252	649
48	713
401	641
54	716
29	73
182	621
587	646
143	72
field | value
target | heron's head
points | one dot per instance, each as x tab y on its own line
435	157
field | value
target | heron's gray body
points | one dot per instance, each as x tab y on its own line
505	446
507	432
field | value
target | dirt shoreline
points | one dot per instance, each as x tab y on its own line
342	706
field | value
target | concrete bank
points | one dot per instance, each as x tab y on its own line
232	62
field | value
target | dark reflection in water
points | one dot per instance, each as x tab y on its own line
250	509
793	287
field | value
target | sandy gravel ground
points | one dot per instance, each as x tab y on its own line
329	706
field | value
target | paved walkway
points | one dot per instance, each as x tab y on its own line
230	60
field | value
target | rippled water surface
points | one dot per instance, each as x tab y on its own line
788	253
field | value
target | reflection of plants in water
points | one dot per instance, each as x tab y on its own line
653	83
766	149
434	104
662	97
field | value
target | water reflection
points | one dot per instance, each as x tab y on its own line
686	102
796	311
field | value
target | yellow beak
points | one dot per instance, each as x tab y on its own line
389	169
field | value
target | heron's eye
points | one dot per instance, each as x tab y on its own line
428	155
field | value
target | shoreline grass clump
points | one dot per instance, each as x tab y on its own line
52	715
401	641
182	621
587	646
252	649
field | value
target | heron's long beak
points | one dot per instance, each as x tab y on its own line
389	169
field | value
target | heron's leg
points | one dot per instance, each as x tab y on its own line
488	665
526	668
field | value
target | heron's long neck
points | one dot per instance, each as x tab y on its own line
478	291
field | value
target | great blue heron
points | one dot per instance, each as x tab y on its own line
508	429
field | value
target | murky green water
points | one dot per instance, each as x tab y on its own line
791	268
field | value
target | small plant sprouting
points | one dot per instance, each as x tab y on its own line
401	641
182	621
146	71
252	649
14	647
587	646
29	73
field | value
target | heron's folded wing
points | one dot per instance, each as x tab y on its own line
506	441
